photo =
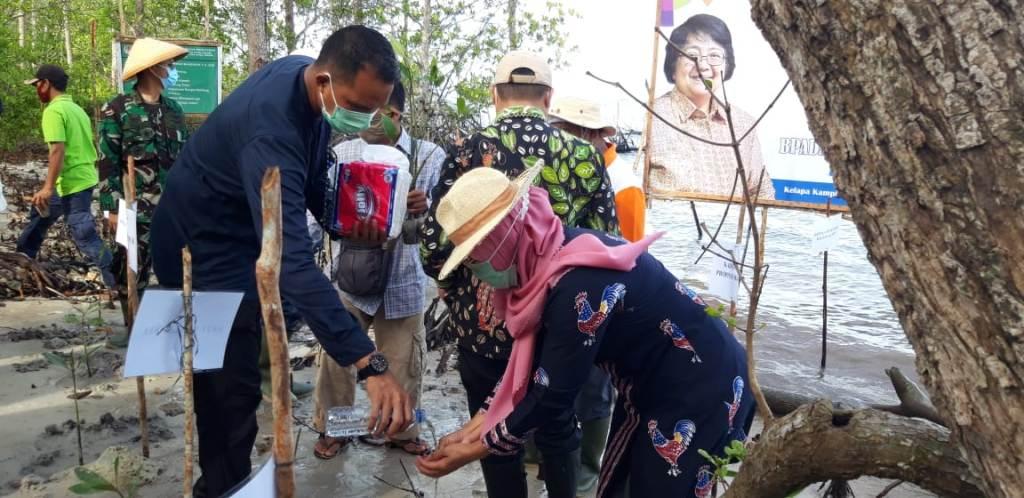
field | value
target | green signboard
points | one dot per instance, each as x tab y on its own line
198	90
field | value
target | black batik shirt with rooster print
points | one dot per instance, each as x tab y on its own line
578	186
680	375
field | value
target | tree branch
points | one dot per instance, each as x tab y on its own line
817	443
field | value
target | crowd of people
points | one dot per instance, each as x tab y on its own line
572	339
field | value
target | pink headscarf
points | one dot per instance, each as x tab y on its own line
541	261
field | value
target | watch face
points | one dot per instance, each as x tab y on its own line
378	363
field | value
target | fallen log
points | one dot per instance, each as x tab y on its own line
817	443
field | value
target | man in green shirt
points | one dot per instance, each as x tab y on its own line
70	177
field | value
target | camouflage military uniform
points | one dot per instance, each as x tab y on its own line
153	134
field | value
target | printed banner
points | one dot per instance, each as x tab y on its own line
717	45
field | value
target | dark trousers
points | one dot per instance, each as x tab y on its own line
225	405
558	441
77	212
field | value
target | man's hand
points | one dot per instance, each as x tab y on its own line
41	199
416	204
390	407
450	457
369	233
112	219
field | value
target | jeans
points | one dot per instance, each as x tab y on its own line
76	210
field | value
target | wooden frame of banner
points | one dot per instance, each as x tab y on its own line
190	117
696	196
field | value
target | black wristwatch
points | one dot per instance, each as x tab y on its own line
377	366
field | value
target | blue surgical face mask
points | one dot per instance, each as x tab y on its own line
499	279
343	120
171	79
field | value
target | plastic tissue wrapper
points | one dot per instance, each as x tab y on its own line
376	188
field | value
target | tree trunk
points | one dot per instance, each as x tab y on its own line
121	19
67	32
289	25
513	36
256	33
21	28
140	18
918	108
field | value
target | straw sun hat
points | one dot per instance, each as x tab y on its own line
148	52
476	203
580	112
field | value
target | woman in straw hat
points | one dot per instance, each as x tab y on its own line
573	298
145	124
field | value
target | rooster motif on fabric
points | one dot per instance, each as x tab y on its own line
737	396
671	449
679	339
486	319
588	320
688	292
705	482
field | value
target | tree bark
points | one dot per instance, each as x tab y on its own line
918	108
140	18
67	31
817	443
268	277
256	33
513	35
289	25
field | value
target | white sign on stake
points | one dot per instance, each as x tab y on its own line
156	344
826	234
723	281
259	484
126	235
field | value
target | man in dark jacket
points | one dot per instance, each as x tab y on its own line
282	116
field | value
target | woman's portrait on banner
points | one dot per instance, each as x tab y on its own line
681	164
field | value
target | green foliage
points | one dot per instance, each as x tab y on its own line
447	69
91	483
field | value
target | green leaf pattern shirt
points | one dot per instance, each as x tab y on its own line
577	183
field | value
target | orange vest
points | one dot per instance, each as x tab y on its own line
630	202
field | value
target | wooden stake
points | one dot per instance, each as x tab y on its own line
133	308
824	300
268	273
652	83
186	297
739	269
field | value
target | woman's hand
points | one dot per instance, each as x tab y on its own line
450	456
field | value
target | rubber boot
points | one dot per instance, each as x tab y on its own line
506	479
560	474
592	444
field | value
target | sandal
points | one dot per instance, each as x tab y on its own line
414	447
327	448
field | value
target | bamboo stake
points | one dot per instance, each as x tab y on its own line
739	240
133	308
824	301
650	102
206	19
268	273
667	195
186	298
120	15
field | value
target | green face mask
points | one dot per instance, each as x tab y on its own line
343	120
499	279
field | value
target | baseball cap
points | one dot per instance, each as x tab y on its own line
48	72
529	61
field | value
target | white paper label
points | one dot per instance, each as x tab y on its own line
260	483
826	234
156	344
723	280
125	234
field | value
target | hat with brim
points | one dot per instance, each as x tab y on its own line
580	112
477	203
148	52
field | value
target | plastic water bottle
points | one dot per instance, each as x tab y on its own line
351	421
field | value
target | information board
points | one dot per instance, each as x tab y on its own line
198	90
